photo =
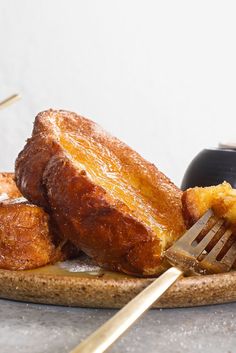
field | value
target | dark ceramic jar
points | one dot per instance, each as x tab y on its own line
211	167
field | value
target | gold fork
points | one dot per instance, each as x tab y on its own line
204	248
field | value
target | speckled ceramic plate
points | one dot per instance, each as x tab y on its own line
80	283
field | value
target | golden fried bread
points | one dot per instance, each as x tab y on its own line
221	198
26	237
110	202
8	186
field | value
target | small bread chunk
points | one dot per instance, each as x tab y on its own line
110	202
26	237
221	198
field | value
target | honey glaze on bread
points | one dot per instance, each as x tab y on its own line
110	202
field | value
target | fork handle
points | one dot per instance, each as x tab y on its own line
109	332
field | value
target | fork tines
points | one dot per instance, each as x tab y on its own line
205	247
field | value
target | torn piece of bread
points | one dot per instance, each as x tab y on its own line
110	202
221	198
27	237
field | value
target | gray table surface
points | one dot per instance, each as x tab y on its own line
31	328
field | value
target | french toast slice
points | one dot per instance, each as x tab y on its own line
28	239
221	198
104	197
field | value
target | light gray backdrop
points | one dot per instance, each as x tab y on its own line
161	75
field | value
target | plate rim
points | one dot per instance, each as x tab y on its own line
113	292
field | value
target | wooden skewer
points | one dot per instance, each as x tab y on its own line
8	101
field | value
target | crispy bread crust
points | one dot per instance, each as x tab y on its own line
88	214
26	241
8	186
190	208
